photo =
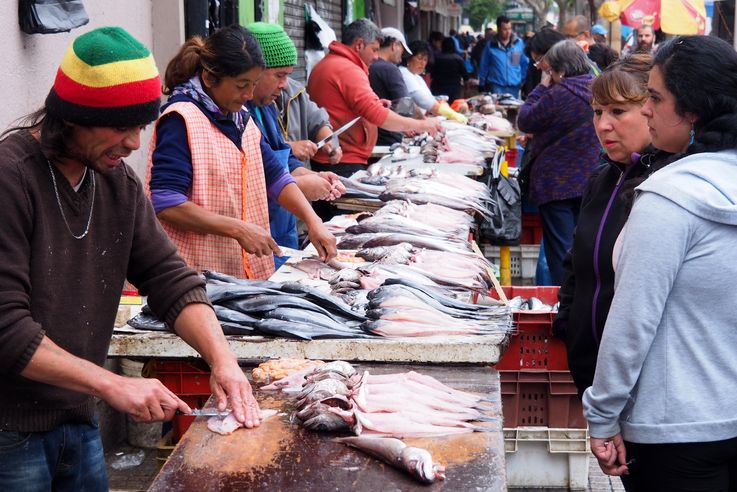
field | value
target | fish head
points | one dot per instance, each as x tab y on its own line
326	422
418	462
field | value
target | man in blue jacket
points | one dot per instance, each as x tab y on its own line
280	56
503	64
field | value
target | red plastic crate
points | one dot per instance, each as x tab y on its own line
532	229
184	378
545	399
533	347
180	423
189	380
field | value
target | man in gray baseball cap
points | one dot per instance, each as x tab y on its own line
386	79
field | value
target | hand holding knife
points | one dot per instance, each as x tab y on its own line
333	137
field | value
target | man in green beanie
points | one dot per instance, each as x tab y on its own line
280	56
75	223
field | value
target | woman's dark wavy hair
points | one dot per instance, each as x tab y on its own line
701	73
417	47
55	132
227	52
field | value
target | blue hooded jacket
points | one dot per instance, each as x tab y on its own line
503	66
283	223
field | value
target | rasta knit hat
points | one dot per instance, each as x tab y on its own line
107	78
278	49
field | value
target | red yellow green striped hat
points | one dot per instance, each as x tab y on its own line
107	78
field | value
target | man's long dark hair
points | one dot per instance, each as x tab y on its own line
55	132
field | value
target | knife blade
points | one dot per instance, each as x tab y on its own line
208	412
297	253
337	132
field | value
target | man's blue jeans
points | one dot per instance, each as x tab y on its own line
67	458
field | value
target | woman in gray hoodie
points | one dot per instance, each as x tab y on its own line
663	406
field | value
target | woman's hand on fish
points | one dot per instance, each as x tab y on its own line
232	390
255	239
323	241
337	187
314	186
303	149
430	125
611	454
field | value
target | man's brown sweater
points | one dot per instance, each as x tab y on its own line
68	289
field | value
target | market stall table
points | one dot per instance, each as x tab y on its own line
280	455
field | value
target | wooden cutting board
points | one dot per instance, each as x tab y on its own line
281	455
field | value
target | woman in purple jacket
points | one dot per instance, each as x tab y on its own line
564	150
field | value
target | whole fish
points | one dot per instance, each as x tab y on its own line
437	294
326	422
309	318
228	279
147	321
277	327
415	461
221	292
450	202
417	241
234	317
379	252
262	303
326	301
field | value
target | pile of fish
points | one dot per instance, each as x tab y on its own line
401	308
450	190
335	397
289	309
466	144
421	186
489	122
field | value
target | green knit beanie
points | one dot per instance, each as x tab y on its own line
278	49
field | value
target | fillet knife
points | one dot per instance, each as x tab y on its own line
207	412
334	136
297	253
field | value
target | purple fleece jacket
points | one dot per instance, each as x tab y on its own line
564	143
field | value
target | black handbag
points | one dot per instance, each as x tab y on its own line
505	225
525	168
51	16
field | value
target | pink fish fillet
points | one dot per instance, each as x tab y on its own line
398	400
409	386
228	424
394	425
391	329
418	378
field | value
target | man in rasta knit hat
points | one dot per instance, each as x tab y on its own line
280	57
75	223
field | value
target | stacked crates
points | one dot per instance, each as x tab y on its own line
545	433
189	380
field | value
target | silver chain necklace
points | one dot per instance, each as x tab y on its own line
61	209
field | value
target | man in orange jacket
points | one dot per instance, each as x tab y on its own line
339	83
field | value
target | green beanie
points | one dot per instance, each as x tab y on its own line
278	49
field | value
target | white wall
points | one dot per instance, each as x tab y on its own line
29	62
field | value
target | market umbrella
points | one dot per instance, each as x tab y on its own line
671	16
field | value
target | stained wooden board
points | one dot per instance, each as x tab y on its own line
281	455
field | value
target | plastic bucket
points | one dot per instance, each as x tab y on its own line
142	435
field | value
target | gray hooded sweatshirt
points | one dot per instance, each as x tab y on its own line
667	366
